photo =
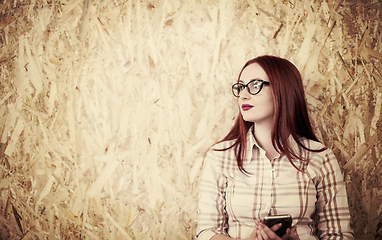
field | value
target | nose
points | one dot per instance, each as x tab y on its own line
245	94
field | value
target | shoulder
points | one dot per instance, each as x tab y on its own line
321	157
222	155
317	149
221	148
223	145
311	144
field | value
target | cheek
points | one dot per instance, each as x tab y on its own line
239	103
272	106
271	103
271	109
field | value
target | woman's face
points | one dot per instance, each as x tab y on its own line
257	108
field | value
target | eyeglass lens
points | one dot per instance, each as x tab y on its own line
254	87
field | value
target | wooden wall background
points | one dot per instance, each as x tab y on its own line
107	107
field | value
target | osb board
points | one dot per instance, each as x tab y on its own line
107	107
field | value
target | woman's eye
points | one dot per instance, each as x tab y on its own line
256	84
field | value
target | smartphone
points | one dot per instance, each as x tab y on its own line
286	221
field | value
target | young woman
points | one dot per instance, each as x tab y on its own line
271	163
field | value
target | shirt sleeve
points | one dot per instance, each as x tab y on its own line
332	202
212	205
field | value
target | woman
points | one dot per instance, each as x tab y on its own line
271	163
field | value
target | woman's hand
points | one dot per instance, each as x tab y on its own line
262	232
292	234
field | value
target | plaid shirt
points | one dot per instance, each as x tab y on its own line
229	200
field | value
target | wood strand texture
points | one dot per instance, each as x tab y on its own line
107	107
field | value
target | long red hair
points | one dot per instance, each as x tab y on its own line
290	117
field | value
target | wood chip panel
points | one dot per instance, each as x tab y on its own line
107	107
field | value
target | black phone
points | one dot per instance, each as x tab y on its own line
286	221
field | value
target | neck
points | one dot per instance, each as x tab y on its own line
263	138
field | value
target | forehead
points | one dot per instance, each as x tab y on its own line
253	71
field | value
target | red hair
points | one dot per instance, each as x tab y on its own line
291	113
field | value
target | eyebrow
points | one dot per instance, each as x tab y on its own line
252	80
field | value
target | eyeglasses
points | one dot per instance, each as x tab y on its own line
254	87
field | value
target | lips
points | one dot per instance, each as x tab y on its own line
246	107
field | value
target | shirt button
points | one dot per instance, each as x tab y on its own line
273	173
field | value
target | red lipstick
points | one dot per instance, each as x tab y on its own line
246	107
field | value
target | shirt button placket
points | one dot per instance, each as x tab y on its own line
267	189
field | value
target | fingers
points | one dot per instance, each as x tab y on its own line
262	232
266	233
276	227
292	233
253	235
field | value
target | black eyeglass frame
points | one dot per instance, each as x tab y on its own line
243	86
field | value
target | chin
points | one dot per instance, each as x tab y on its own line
249	119
257	120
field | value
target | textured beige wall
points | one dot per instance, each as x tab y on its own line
107	107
